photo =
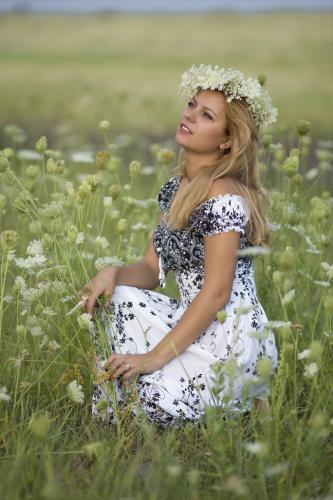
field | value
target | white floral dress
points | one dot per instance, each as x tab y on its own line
141	318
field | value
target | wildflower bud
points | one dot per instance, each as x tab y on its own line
316	350
3	201
101	159
9	152
39	425
277	278
102	405
114	163
279	154
60	167
35	227
51	166
38	309
104	125
165	155
114	190
303	127
122	226
297	179
8	240
174	470
294	152
264	368
290	166
32	171
230	367
287	258
305	140
133	239
20	330
221	316
285	332
261	79
4	163
266	141
114	214
71	232
134	168
154	149
41	144
328	303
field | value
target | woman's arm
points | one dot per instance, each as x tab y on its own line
220	264
143	274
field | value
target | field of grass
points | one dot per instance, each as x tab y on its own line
69	72
58	225
50	447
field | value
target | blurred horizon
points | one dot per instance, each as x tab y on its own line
167	6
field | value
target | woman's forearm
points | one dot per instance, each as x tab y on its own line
139	274
197	317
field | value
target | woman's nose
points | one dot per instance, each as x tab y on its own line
189	115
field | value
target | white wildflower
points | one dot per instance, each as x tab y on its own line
30	263
80	239
35	248
20	283
53	345
107	201
4	396
87	255
101	242
74	392
328	268
49	312
289	296
304	354
311	370
36	331
103	262
85	321
253	251
256	448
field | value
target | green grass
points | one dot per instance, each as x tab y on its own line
125	68
63	453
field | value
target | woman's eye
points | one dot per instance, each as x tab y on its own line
189	103
205	113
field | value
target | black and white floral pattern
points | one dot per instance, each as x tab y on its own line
140	318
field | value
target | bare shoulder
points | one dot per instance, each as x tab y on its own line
227	185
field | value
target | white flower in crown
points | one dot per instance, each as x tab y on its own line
234	85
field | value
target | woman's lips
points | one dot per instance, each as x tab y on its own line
184	129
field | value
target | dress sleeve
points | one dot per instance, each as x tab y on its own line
220	214
165	194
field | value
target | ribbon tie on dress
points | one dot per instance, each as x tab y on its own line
161	275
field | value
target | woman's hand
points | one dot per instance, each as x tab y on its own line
129	365
102	284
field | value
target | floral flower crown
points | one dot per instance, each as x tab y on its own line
234	85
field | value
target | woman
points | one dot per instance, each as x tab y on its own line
175	350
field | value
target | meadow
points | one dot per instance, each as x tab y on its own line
79	180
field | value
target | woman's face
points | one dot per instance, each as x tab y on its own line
205	118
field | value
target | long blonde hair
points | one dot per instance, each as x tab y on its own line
239	162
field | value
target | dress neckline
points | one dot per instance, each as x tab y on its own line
212	198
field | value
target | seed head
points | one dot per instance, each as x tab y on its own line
122	226
41	144
303	127
134	168
104	125
9	240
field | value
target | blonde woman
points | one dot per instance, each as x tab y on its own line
169	350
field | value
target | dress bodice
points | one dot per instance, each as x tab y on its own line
182	251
